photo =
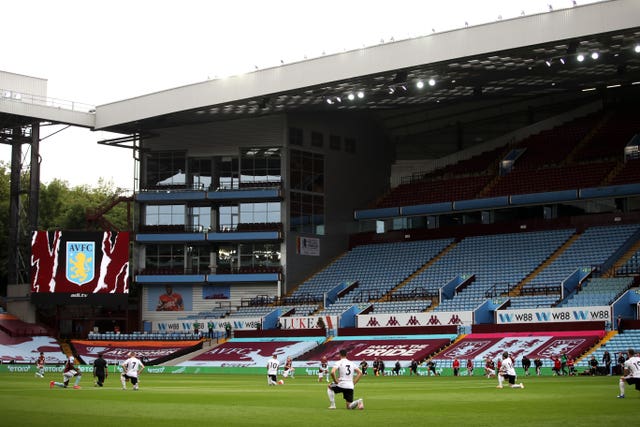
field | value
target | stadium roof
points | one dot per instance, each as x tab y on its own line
524	57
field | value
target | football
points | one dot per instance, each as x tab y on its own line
281	382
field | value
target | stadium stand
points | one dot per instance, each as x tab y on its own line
376	268
631	266
592	249
498	263
513	270
598	291
619	343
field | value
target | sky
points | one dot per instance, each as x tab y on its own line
97	52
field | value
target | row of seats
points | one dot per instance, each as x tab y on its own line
142	336
569	156
498	263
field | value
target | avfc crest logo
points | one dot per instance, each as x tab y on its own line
80	262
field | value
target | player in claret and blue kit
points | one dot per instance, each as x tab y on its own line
69	372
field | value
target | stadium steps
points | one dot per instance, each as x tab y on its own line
429	263
593	349
487	188
518	289
570	159
622	260
613	174
66	348
494	169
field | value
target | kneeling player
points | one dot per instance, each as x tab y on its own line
508	372
631	372
289	370
323	370
344	382
131	369
69	372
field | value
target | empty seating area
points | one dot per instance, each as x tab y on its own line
599	291
524	181
376	268
142	336
441	190
532	301
593	247
480	164
582	153
497	263
631	266
338	308
15	327
629	173
401	306
608	141
551	147
252	312
216	313
503	259
303	310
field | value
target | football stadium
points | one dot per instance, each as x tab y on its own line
458	211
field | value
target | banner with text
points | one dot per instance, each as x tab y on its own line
547	315
330	322
432	318
183	325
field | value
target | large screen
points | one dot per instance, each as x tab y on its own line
79	263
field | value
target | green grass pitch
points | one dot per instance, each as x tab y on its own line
177	400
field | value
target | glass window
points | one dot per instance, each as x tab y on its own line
164	258
259	212
260	255
307	171
164	215
350	145
200	173
164	169
260	166
295	136
307	213
226	172
197	259
307	192
199	219
228	218
335	142
317	139
227	257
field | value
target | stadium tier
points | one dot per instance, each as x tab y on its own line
339	202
